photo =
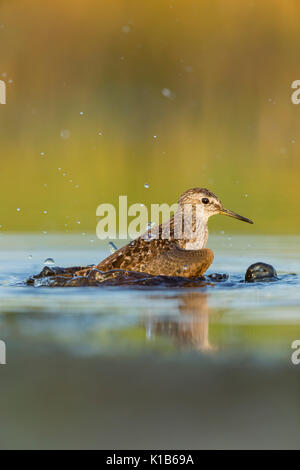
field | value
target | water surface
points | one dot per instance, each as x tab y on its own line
155	356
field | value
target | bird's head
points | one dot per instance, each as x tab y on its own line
208	203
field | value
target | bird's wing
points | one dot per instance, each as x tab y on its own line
135	255
159	257
180	262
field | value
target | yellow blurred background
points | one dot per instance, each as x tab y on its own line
105	96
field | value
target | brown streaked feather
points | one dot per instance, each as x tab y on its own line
159	257
135	255
179	262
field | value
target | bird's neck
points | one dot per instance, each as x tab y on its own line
193	222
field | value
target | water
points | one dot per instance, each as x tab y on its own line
149	366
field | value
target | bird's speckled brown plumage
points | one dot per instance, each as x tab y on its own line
159	257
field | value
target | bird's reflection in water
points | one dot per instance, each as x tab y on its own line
189	329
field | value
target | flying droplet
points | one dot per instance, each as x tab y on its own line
76	186
126	29
42	153
112	247
18	209
29	256
99	133
167	93
246	195
149	237
155	137
65	134
78	221
49	262
146	185
81	113
45	212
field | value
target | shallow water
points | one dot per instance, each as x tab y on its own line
223	340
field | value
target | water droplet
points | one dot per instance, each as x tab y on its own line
18	209
92	241
293	141
125	29
45	185
59	169
49	262
222	232
65	134
29	256
149	237
146	185
70	181
99	133
78	221
42	153
166	92
81	113
155	137
44	232
142	205
112	247
64	174
246	195
45	212
76	186
83	233
10	80
4	74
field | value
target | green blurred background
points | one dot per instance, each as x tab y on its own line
210	79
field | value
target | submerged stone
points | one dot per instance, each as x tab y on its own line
259	272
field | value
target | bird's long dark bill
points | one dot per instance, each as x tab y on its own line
236	216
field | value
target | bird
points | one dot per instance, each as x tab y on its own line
176	247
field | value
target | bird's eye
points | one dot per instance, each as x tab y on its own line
205	200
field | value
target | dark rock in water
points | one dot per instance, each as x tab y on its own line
259	272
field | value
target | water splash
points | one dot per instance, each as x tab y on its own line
49	262
112	247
